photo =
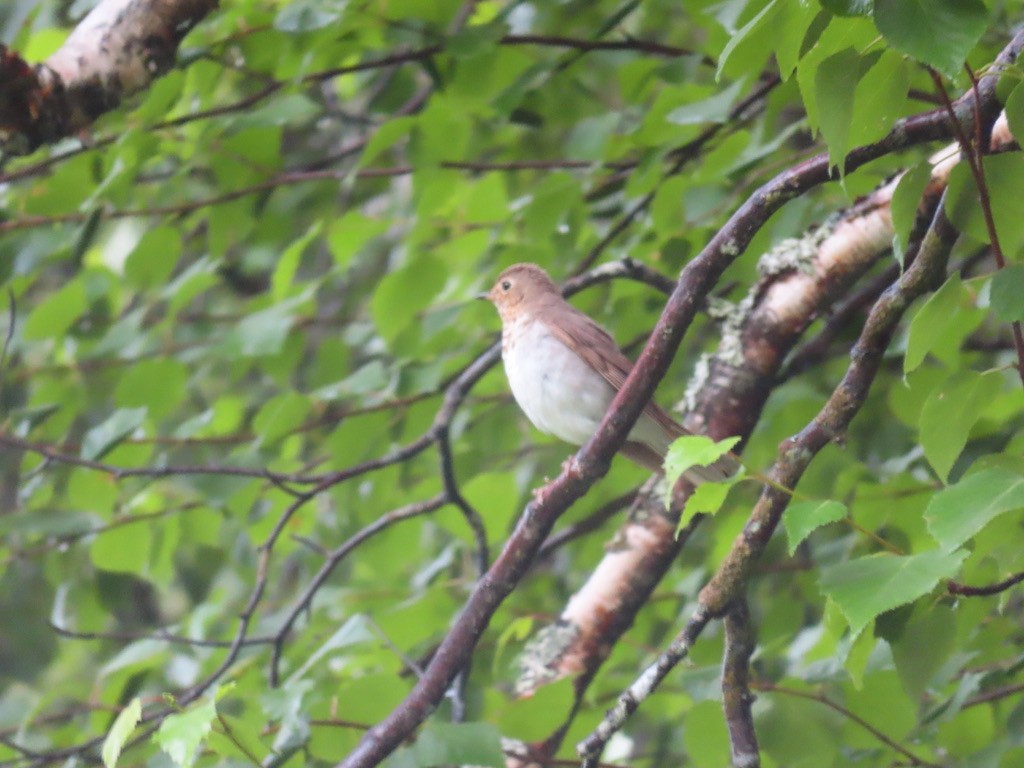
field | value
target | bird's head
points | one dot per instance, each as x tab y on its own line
518	288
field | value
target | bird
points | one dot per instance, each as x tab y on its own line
564	369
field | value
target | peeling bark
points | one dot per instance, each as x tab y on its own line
117	50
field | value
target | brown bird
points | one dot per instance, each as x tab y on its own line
564	370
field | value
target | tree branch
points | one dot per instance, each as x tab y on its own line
965	590
117	50
740	642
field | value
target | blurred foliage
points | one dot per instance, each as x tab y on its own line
266	261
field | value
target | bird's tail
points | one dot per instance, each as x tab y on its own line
720	471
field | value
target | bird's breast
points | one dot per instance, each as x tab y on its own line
554	387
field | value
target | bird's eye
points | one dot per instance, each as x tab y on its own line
505	285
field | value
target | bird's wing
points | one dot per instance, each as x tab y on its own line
598	350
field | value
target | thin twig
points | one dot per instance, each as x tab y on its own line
853	717
965	590
334	558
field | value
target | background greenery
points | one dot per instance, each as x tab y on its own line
266	262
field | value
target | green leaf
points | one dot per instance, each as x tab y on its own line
198	277
1002	178
179	735
932	322
288	263
1007	297
796	733
949	413
43	43
516	631
495	78
473	40
711	110
290	109
157	386
55	314
485	202
254	150
495	495
551	704
835	81
459	744
1015	110
706	737
119	732
855	33
878	83
403	293
970	732
347	235
27	419
442	132
244	155
384	137
879	98
858	654
849	7
694	451
881	698
101	438
905	200
750	38
707	498
590	136
124	548
868	586
281	415
803	517
789	29
160	96
924	646
230	225
955	514
261	333
355	631
939	33
240	740
698	451
369	378
305	16
152	261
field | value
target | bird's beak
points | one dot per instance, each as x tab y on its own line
485	296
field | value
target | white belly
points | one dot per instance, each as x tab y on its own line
557	391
